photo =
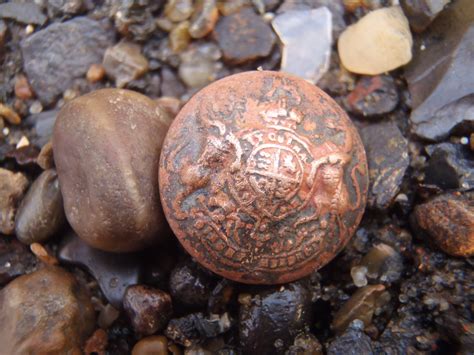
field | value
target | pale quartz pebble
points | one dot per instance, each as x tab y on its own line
306	36
379	42
178	10
359	276
124	63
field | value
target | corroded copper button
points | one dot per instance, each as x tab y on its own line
263	177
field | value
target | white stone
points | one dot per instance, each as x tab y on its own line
379	42
306	36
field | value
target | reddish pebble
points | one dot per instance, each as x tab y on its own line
154	345
97	343
22	88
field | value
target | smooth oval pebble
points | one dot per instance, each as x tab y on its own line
41	213
106	149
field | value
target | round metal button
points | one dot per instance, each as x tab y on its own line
263	177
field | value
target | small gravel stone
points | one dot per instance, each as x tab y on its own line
64	7
179	37
448	220
46	311
190	285
421	13
450	166
97	343
134	19
178	10
306	36
124	63
43	254
27	12
229	7
204	18
170	104
149	309
383	264
113	272
15	260
171	85
244	37
41	213
360	306
157	345
199	65
305	343
373	96
359	276
45	157
353	341
379	42
9	114
95	73
12	188
22	88
62	52
3	32
387	156
277	314
195	328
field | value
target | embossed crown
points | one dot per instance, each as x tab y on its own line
281	117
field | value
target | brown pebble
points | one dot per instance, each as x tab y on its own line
40	214
107	316
149	309
106	149
153	345
179	37
45	312
9	114
361	306
22	88
95	73
449	221
171	105
204	18
43	255
12	188
97	343
45	158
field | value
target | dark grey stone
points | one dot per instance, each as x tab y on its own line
55	56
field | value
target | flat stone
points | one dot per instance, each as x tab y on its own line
113	272
440	77
12	188
360	306
336	7
124	62
387	156
421	13
28	13
42	124
379	42
448	223
55	56
41	212
372	96
306	37
45	312
244	37
15	259
450	166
